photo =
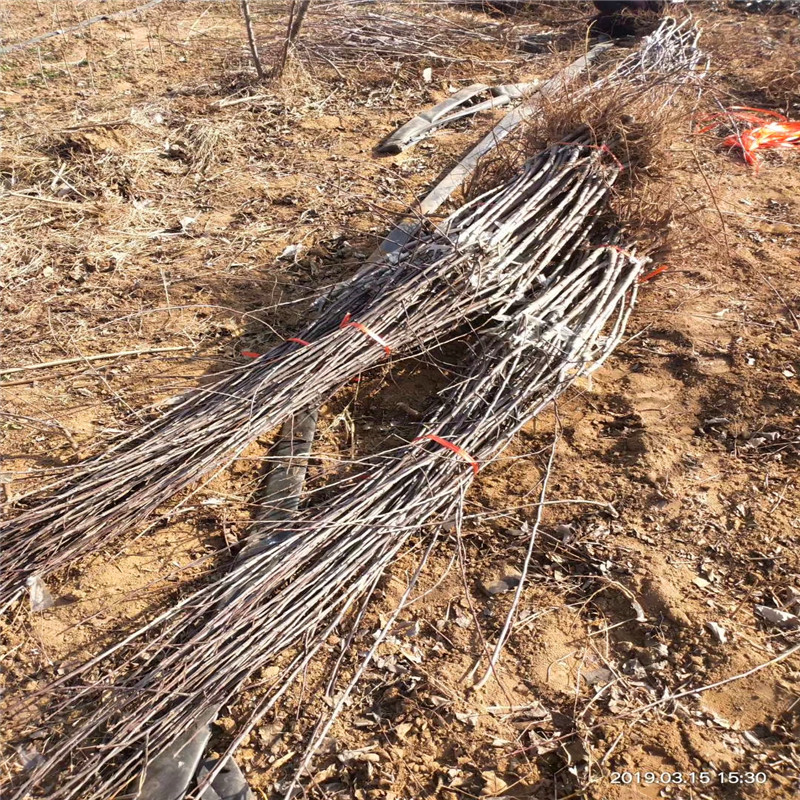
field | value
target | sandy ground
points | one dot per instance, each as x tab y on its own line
139	215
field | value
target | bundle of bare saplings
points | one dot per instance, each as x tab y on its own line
532	271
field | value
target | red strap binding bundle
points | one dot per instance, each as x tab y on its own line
651	275
450	446
251	354
346	323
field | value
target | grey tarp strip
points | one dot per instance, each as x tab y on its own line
169	775
398	141
430	120
230	783
405	231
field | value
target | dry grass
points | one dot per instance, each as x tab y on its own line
756	57
780	82
635	131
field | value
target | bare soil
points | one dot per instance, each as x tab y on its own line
138	214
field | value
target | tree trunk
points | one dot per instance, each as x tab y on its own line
251	39
297	14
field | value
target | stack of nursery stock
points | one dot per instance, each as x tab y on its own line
156	684
523	269
449	280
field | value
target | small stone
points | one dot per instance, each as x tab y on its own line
39	594
496	587
752	739
290	252
633	668
718	632
402	730
575	752
566	532
778	617
599	675
509	580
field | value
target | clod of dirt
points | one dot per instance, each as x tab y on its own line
662	599
494	785
718	632
506	581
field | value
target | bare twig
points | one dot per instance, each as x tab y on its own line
713	197
82	359
517	269
297	19
326	558
323	728
668	698
782	299
431	286
504	634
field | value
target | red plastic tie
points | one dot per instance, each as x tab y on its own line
651	275
450	446
364	329
770	129
604	148
767	111
251	354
